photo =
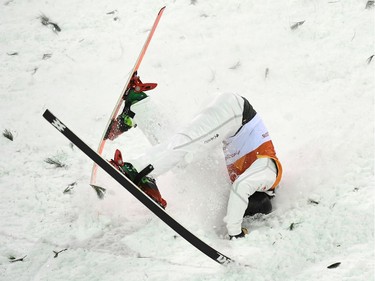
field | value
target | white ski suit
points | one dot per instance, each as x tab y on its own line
249	154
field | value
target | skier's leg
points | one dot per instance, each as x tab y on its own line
221	119
162	157
151	120
258	177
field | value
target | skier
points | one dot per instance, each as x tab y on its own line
254	169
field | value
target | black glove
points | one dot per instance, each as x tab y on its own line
244	231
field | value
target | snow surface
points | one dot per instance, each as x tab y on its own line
313	86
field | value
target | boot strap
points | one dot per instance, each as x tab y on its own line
149	168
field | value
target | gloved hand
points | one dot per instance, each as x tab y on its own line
244	231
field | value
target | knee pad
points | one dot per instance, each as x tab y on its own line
258	203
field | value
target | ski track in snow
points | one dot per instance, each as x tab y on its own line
313	86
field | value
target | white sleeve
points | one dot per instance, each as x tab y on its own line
237	204
258	177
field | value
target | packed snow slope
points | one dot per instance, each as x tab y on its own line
312	83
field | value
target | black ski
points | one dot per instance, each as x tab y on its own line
137	193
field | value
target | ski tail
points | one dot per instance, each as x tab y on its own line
137	193
150	35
